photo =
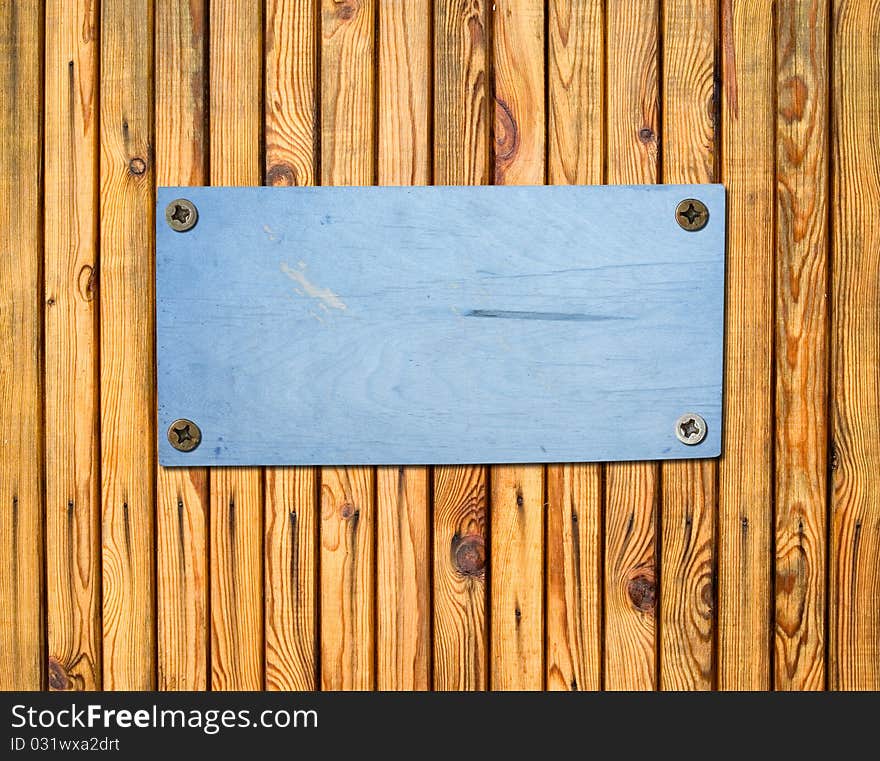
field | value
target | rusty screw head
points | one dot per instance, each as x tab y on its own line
692	215
181	215
184	435
690	428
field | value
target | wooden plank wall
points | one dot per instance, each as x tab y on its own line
757	571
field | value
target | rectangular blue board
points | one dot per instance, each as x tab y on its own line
339	326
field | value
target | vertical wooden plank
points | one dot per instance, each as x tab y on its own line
575	80
461	107
347	601
574	572
855	349
403	625
687	595
689	134
291	493
291	568
517	493
631	488
347	92
801	341
461	157
518	53
128	445
236	520
403	559
347	494
745	507
404	91
182	500
517	568
460	578
73	503
291	97
575	155
21	416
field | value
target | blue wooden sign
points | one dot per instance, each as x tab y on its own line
438	325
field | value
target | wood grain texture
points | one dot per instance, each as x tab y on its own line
290	545
801	342
404	93
403	509
687	594
517	568
854	626
777	98
461	157
182	499
236	579
461	99
291	578
182	578
745	509
22	656
575	77
517	492
347	92
73	502
575	155
460	538
128	444
348	520
347	572
573	657
403	567
291	127
236	517
518	69
631	497
690	150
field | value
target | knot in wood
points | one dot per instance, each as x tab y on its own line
469	554
642	592
506	133
86	282
281	175
59	679
346	10
137	166
707	595
348	511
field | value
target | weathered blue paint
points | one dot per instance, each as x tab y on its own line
439	324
